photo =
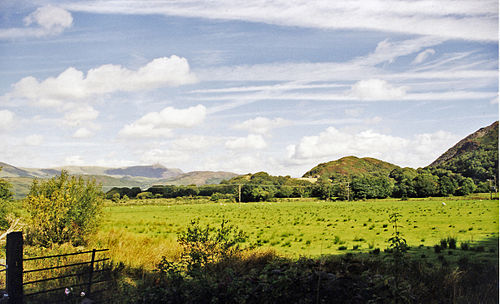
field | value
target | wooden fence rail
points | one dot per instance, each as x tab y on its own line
15	272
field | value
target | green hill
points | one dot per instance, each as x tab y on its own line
351	166
475	156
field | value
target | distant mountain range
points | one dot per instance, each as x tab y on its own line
134	176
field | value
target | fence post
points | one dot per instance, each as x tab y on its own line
91	272
15	267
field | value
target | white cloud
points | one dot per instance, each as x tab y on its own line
82	133
72	84
33	140
160	124
6	119
167	157
445	18
252	141
194	142
51	18
74	160
261	125
422	56
45	21
80	114
332	144
494	100
377	89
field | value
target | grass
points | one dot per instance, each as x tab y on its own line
139	234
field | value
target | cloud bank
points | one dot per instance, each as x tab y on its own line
73	84
333	143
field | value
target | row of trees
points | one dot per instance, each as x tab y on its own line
401	183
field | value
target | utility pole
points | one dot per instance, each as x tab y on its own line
239	193
491	189
348	192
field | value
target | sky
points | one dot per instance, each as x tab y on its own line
243	85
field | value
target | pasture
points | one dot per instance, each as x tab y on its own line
140	234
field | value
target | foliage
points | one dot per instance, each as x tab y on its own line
63	209
122	191
6	195
351	166
364	187
206	245
145	195
267	278
475	157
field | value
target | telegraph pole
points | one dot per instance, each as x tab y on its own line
239	193
348	192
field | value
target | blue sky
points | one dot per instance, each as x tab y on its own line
243	86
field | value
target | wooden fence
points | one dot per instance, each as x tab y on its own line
47	283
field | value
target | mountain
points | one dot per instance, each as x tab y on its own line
11	171
199	178
351	166
135	176
475	156
154	171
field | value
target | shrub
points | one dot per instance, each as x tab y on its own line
452	243
145	195
464	246
5	196
337	240
63	209
204	245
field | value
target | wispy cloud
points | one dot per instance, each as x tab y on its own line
446	18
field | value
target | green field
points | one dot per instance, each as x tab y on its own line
311	227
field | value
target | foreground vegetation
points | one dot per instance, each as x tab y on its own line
288	250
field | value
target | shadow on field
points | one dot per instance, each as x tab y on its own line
423	275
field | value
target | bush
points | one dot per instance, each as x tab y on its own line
452	243
145	195
205	245
63	209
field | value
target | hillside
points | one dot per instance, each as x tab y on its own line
135	176
199	178
154	171
475	156
11	171
351	166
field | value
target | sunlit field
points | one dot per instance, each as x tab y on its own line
143	233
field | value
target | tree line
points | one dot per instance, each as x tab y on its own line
401	183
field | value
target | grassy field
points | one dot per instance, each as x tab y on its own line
141	234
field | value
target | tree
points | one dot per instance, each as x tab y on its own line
426	184
5	196
63	209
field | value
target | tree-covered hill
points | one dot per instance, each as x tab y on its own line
350	166
475	156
